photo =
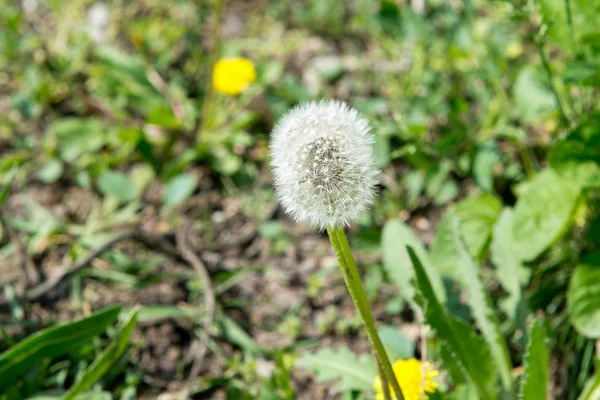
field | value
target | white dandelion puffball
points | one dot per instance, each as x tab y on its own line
323	163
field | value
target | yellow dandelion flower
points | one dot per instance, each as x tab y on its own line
233	75
410	378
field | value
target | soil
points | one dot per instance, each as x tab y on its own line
260	302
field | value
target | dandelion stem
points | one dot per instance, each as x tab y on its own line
207	105
385	386
352	278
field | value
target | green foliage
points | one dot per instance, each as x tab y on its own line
353	373
396	344
583	296
476	218
536	371
467	351
535	228
577	157
52	342
533	96
105	360
179	189
117	184
480	304
510	270
394	238
591	391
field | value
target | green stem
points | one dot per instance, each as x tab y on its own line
218	6
546	64
571	27
527	160
355	287
385	386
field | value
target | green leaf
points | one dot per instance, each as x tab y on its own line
469	351
152	313
117	184
583	296
509	267
485	161
164	117
52	342
231	331
543	213
395	237
353	372
534	99
577	157
480	304
477	216
584	14
179	189
5	190
51	171
78	136
536	368
104	361
397	345
591	390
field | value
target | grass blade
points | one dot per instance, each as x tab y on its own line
106	360
535	376
52	342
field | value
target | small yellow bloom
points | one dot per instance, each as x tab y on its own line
410	378
233	75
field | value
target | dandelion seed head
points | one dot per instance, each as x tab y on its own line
323	163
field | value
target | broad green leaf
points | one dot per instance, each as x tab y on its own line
485	161
543	213
78	136
395	237
52	342
509	267
397	344
117	184
480	304
179	189
163	116
534	99
353	372
583	296
477	216
51	171
468	350
536	368
580	72
577	157
104	361
591	390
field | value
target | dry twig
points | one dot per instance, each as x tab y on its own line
209	297
150	241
